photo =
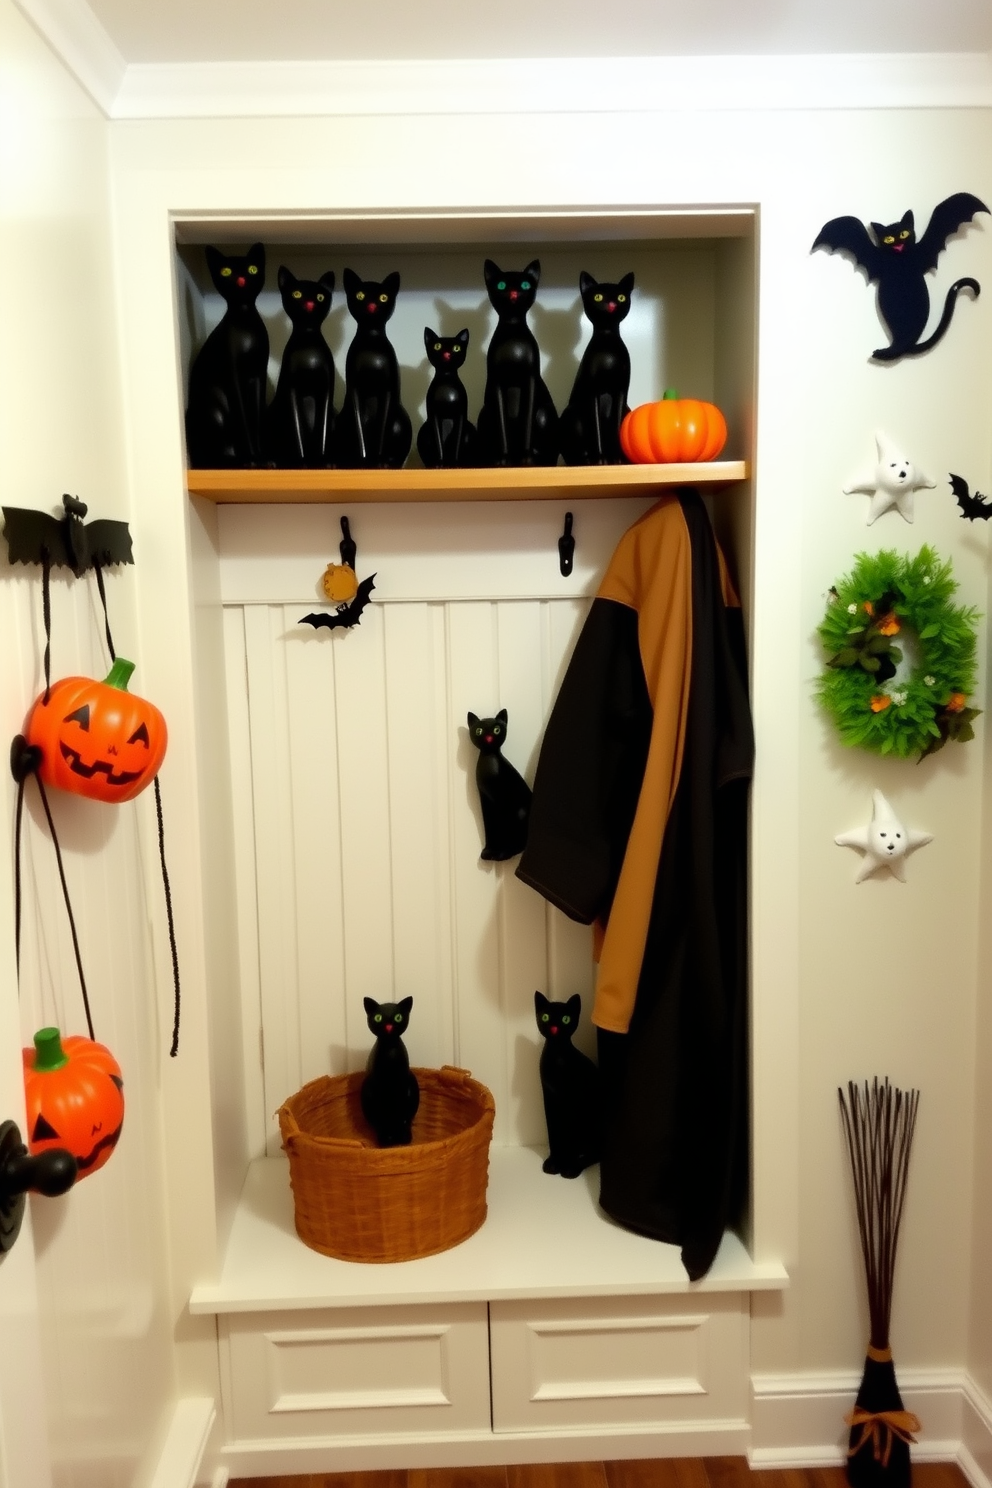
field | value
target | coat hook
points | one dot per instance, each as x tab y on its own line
566	548
349	548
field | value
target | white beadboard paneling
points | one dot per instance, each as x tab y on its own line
360	838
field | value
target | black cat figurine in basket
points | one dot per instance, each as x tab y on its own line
390	1093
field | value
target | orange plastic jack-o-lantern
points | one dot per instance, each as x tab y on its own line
96	738
75	1098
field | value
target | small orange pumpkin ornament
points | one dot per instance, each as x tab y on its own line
672	431
74	1093
96	738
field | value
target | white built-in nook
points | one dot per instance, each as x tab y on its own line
353	847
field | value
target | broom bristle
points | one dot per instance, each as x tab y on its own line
879	1124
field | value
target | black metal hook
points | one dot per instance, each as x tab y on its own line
566	548
349	548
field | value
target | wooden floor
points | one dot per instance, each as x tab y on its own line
668	1472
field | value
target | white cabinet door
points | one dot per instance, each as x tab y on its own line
619	1362
353	1373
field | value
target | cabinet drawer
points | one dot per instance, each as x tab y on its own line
618	1361
357	1372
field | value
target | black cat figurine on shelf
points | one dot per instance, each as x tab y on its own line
446	439
590	424
390	1093
503	792
570	1083
301	415
518	424
373	429
225	414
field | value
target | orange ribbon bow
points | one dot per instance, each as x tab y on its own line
879	1427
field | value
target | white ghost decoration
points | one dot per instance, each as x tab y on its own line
892	482
885	842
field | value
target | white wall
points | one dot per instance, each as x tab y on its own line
849	981
101	1260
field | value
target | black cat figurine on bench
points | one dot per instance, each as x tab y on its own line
225	413
518	424
373	429
570	1084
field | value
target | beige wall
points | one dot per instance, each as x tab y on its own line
101	1264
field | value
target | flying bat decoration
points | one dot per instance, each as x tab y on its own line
971	506
348	613
67	541
898	263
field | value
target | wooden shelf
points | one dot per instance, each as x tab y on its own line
544	1237
554	483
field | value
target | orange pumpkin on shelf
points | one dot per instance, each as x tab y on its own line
74	1093
672	431
96	738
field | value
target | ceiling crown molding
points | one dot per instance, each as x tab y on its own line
77	37
490	86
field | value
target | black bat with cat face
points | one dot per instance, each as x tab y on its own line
898	262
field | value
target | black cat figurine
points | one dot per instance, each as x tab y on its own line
446	439
590	424
301	415
570	1082
518	424
503	792
225	412
390	1093
373	429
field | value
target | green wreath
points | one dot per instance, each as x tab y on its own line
884	598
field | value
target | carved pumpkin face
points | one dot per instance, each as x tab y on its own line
96	738
74	1093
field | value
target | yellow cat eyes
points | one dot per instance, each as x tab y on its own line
904	234
360	295
225	272
889	239
597	298
437	346
383	299
622	299
253	268
297	294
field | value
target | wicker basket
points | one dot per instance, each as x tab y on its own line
360	1202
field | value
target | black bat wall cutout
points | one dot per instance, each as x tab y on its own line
898	263
971	506
67	541
347	615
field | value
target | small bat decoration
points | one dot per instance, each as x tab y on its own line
66	542
347	615
898	263
971	506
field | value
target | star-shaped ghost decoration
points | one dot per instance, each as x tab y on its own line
885	842
892	482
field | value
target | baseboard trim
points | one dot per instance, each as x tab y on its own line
185	1443
482	1449
975	1452
798	1420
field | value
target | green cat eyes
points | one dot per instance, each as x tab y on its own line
545	1018
378	1018
566	1019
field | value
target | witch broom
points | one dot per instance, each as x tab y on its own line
879	1125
